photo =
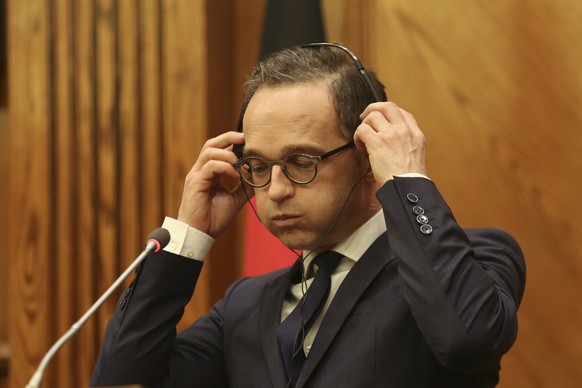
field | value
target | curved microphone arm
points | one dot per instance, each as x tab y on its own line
156	241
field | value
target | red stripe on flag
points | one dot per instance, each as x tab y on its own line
263	252
286	23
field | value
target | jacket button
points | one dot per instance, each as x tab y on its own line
422	219
426	229
417	210
123	302
412	197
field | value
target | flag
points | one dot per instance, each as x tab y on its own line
286	23
289	23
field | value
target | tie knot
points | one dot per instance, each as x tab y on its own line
328	260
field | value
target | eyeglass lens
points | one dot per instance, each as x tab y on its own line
299	168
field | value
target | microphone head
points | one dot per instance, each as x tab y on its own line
160	237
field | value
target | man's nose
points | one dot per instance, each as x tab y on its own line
280	186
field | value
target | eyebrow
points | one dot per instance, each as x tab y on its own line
288	150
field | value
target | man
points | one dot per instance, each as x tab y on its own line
414	299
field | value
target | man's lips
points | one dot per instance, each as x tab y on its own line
282	220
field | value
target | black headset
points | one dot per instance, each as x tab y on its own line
238	148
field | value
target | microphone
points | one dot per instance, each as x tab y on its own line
155	241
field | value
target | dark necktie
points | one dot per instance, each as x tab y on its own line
292	330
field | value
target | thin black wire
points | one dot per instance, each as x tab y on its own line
238	151
301	332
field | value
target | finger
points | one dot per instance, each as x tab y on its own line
373	107
207	177
214	169
224	140
377	121
389	109
208	154
363	135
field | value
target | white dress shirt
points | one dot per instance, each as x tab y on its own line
194	244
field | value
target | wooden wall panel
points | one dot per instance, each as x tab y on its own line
63	179
224	42
110	104
4	195
496	88
4	259
130	98
30	237
107	111
184	92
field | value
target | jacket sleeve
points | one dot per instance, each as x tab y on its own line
140	336
463	286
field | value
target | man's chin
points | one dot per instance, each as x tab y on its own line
295	241
301	242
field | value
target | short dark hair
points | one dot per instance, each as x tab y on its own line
349	91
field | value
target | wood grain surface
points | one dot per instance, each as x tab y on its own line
110	101
496	87
107	113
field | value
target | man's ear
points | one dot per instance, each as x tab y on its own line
369	177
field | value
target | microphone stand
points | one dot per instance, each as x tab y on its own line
152	245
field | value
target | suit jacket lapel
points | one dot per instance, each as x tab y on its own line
350	291
270	319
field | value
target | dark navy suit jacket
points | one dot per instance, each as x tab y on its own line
417	310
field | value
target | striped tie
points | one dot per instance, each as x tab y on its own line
293	329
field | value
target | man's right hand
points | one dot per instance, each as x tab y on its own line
207	204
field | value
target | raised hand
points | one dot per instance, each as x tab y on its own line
391	138
207	203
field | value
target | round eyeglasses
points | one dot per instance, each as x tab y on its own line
298	168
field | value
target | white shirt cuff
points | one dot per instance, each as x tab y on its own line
412	175
187	241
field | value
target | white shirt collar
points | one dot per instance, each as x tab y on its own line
356	244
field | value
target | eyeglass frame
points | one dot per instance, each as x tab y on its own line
238	165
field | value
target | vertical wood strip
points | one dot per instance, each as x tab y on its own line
184	110
223	107
30	201
357	29
245	44
150	113
335	16
5	222
131	233
5	226
64	314
86	176
106	169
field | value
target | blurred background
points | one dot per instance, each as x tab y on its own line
105	104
